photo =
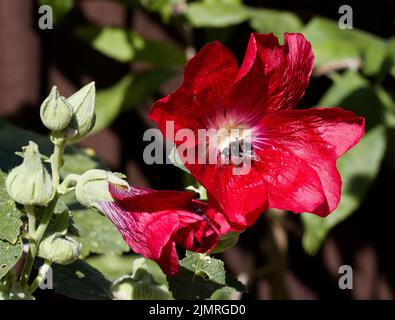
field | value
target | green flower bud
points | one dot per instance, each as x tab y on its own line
30	183
227	240
140	286
59	248
55	111
92	187
84	117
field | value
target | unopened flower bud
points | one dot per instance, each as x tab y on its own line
227	240
140	286
30	183
59	248
84	117
92	187
55	111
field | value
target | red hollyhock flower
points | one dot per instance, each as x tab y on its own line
153	222
293	152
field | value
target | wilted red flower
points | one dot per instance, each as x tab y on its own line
153	222
293	152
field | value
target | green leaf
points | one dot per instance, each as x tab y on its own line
161	54
199	277
144	85
353	92
387	98
10	216
227	241
164	7
15	292
78	161
176	160
343	86
224	293
200	190
59	8
97	233
201	264
81	281
13	139
358	169
332	45
119	44
124	45
278	22
391	55
109	103
129	92
216	13
114	267
151	267
392	71
9	255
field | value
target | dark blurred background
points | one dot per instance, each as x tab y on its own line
69	55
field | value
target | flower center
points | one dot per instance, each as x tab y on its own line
234	143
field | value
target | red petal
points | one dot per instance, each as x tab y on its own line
195	234
148	200
274	77
291	183
153	231
318	136
242	197
207	79
147	234
168	260
217	219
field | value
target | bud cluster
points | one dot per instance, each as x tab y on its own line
33	184
74	116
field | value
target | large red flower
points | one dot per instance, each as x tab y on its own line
293	152
153	222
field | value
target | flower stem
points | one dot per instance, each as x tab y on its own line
277	242
68	183
31	216
41	276
57	160
35	238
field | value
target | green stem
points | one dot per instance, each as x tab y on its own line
35	239
41	276
68	183
57	160
31	216
277	242
29	260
